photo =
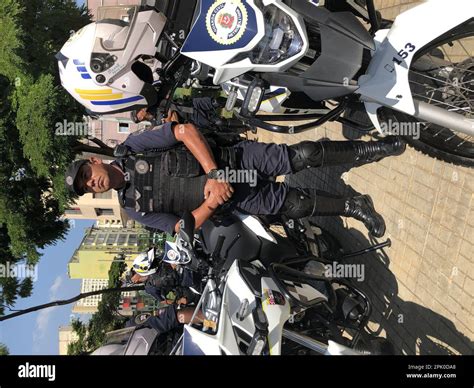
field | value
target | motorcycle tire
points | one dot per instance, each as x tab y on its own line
435	141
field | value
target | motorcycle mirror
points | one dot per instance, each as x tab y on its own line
186	227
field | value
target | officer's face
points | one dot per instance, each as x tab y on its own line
94	177
136	279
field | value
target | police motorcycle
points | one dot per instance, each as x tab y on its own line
268	295
298	61
293	59
142	335
138	338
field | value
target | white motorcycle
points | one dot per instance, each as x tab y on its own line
263	297
286	56
293	59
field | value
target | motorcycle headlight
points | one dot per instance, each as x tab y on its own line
281	41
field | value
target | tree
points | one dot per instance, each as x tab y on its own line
32	158
4	350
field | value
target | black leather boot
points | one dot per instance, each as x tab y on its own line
362	209
306	203
373	151
309	154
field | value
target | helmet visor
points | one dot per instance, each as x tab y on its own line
114	25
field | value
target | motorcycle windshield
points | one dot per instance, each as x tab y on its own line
113	27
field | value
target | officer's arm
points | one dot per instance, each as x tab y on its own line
161	221
197	144
202	213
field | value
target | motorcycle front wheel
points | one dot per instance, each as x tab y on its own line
442	74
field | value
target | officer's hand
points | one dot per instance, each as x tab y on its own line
172	116
221	190
211	202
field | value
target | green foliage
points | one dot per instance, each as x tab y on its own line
11	41
33	120
48	24
32	158
4	350
26	287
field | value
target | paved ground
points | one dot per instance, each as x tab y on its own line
423	286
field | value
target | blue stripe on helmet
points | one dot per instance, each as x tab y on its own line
118	102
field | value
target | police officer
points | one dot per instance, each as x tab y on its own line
167	279
171	169
159	284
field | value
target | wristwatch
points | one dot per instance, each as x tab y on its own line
213	174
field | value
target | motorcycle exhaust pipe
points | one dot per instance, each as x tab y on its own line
317	346
444	118
306	341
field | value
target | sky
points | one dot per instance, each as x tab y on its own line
37	332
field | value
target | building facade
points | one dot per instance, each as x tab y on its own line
89	305
66	336
102	207
100	246
136	302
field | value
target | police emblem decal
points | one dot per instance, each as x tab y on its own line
226	21
172	255
142	166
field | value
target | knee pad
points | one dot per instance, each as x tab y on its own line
298	204
305	155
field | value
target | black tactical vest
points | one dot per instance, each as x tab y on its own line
164	182
171	181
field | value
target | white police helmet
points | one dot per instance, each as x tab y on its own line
142	264
100	64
